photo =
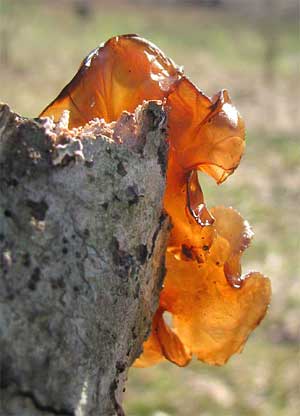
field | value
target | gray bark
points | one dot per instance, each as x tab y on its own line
82	245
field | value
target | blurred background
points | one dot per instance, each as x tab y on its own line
250	47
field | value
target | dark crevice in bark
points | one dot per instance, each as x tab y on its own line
42	408
118	408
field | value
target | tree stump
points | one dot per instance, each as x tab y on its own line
82	243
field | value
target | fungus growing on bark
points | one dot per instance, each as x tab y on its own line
213	306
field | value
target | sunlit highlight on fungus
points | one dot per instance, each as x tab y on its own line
213	306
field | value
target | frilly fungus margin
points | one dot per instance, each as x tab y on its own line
213	306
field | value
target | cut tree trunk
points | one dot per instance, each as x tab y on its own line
82	242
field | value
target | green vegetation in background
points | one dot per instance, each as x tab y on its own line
48	43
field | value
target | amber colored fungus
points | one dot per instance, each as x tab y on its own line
213	307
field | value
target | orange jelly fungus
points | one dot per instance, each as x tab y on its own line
212	306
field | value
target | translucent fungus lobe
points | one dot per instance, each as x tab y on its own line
213	307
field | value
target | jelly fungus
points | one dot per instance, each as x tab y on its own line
213	306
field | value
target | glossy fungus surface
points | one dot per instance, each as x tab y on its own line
211	307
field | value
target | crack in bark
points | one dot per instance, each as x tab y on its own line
118	408
39	406
156	232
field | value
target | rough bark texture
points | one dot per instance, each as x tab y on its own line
82	262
